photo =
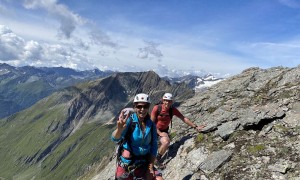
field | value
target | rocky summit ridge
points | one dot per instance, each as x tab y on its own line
252	130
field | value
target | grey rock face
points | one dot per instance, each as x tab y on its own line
252	129
215	160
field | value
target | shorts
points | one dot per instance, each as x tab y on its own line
138	173
165	130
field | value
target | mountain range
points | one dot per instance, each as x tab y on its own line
65	133
21	87
195	82
251	128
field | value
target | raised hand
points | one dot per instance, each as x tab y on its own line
121	123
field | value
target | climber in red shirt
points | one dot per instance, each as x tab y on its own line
162	116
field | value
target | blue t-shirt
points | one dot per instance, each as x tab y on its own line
140	143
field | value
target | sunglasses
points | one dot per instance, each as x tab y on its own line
142	106
167	100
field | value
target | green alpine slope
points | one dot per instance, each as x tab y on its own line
35	143
65	134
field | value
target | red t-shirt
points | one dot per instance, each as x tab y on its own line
163	122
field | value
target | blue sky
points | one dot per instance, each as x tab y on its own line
215	36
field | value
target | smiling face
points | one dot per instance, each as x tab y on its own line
141	109
167	103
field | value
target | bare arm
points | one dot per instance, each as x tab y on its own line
191	124
153	117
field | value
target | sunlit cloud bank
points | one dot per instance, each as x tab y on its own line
15	50
214	40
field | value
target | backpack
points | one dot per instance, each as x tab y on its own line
159	107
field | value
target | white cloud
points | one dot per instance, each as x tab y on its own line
120	44
85	37
11	46
68	20
100	38
150	51
32	50
17	51
124	51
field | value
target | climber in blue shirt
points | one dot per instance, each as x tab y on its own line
136	134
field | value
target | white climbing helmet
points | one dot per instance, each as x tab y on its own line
168	96
142	98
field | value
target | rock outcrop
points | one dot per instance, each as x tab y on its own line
252	130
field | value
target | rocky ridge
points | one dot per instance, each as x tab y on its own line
252	130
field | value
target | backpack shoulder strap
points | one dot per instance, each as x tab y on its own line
130	129
171	114
126	138
159	107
